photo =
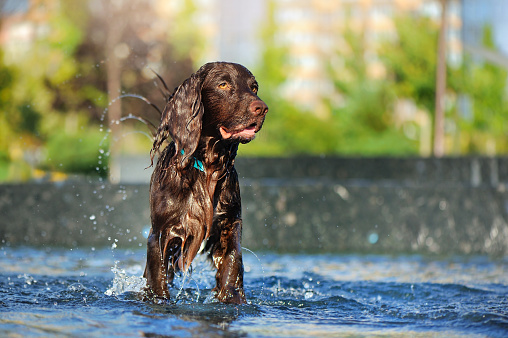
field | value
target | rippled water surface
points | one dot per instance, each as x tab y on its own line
62	292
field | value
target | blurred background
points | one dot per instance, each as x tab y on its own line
397	78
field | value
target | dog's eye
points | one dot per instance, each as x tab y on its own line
255	90
224	85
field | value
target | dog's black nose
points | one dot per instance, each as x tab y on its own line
258	107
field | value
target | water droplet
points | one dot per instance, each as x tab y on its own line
373	238
146	231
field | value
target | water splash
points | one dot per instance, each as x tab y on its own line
186	275
142	98
185	289
150	137
131	116
123	283
252	252
352	295
106	144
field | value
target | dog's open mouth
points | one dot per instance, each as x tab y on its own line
247	133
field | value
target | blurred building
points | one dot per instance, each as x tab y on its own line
231	29
313	30
22	22
478	15
313	33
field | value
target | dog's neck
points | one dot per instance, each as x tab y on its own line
217	157
216	153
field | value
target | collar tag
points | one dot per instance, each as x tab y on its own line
197	163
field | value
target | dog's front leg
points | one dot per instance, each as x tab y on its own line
155	272
229	264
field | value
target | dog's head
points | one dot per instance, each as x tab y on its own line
219	100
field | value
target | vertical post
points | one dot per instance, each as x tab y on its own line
440	84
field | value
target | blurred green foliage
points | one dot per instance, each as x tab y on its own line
476	91
6	80
484	122
365	114
53	99
411	60
360	125
42	106
83	152
288	130
52	116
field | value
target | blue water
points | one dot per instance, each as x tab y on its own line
92	292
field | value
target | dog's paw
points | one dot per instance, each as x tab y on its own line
231	295
147	295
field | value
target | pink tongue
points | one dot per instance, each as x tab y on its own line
247	132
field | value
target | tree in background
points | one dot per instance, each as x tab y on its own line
55	99
365	116
288	130
484	112
410	62
78	64
363	112
6	133
476	95
33	111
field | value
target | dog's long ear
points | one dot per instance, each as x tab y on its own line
182	119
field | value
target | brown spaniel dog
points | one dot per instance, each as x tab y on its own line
194	190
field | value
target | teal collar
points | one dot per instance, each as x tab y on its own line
197	163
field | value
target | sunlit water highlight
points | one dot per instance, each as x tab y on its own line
61	292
